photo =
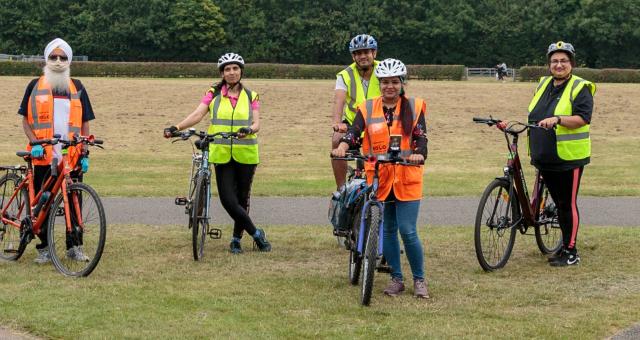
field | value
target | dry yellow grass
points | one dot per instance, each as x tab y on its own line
131	114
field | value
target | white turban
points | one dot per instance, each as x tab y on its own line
61	44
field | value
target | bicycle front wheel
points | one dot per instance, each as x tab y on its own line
370	254
11	247
76	248
199	218
548	232
494	226
355	259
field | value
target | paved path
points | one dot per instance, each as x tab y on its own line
618	211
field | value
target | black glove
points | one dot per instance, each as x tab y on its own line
168	132
245	130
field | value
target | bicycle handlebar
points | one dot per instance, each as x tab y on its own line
87	140
352	156
507	129
184	135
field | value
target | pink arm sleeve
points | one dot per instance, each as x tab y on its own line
207	98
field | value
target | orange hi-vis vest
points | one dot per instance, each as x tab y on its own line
406	181
40	118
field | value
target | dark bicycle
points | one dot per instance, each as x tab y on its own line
368	246
505	207
199	195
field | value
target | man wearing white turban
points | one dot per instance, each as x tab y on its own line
53	104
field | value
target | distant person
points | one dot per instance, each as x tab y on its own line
53	104
501	70
400	186
232	108
563	103
354	85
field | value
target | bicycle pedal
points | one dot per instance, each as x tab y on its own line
215	233
181	201
384	269
60	211
340	233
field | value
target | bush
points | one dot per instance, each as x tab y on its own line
209	70
607	75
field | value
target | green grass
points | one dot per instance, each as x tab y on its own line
148	286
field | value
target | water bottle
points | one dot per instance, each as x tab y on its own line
41	202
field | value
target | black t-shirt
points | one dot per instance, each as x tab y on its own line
87	110
542	143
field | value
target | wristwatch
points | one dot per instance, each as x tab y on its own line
559	120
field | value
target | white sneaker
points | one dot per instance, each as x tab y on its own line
43	256
77	254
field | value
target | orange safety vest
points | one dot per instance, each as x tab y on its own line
406	181
40	118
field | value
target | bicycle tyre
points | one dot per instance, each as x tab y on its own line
548	235
91	236
11	243
498	228
199	223
355	260
370	254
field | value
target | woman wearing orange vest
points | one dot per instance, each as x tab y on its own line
232	108
400	186
55	104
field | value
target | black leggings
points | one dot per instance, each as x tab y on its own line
40	175
564	186
234	188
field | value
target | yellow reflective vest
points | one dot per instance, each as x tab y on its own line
572	144
226	118
355	91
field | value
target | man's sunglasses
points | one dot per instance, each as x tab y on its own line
61	57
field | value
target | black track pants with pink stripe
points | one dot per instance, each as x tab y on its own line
564	186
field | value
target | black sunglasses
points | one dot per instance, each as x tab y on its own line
61	57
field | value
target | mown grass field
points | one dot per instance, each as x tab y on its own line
295	135
148	286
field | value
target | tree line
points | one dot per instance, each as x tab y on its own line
606	33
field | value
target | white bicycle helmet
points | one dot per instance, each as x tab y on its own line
362	42
230	58
391	68
561	46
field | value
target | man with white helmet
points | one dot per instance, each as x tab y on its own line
52	104
354	84
232	108
399	187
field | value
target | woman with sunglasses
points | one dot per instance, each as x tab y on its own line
54	104
400	187
232	107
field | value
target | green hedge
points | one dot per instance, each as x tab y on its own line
605	75
208	70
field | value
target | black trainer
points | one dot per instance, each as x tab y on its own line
556	254
235	247
261	241
566	259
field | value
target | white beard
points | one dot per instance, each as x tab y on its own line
59	80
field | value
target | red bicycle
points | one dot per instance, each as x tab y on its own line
73	212
505	207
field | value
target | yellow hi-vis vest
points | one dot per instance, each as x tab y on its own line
226	118
355	91
572	144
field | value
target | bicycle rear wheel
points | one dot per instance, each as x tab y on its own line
199	220
355	259
548	232
10	246
494	230
76	252
370	254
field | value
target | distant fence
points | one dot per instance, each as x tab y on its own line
488	72
23	57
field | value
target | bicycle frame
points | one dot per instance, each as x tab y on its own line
54	184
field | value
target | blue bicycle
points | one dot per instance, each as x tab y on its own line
366	253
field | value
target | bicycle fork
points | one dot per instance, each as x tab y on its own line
363	226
